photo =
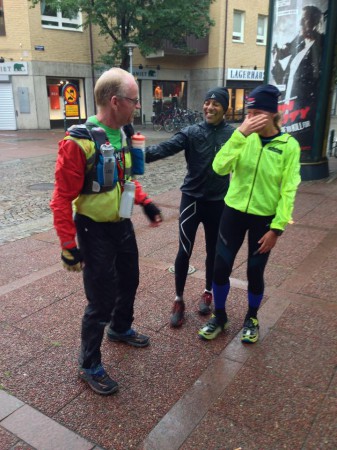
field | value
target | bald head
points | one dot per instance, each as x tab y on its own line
114	81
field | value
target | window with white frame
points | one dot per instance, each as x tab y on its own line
53	18
238	26
262	24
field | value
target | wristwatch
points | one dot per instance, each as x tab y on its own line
276	231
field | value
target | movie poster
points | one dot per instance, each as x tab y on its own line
295	64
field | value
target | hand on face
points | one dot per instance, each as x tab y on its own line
254	122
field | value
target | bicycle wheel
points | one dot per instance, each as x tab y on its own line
157	125
168	125
199	118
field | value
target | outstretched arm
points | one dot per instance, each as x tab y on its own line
177	143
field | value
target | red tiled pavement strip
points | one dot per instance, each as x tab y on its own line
186	414
36	429
180	393
43	433
24	281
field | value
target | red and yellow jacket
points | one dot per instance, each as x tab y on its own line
70	173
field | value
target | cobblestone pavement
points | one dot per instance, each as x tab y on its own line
26	188
26	184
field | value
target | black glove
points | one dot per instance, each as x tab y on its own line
152	212
72	259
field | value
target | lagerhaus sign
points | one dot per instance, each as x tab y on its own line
245	74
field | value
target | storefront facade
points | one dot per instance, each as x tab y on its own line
32	99
56	50
160	89
240	82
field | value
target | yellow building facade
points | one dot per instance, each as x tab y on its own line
41	51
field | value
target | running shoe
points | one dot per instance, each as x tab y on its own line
178	314
212	328
99	381
250	332
131	337
205	303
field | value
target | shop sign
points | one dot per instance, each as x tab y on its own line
245	74
14	68
145	74
71	111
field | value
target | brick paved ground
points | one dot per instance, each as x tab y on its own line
180	393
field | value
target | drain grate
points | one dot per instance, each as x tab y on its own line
42	187
191	270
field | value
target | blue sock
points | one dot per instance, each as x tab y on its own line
98	370
220	293
254	301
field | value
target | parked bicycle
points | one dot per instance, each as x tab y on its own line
181	118
175	119
158	121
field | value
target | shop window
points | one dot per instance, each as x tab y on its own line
52	17
261	36
236	109
2	20
56	101
168	95
238	26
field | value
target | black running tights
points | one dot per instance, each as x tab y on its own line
233	228
192	213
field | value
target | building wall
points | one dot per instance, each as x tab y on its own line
248	53
223	51
59	45
68	54
24	31
17	39
210	70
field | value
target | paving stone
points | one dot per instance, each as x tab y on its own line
8	404
42	432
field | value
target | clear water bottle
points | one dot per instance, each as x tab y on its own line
109	167
138	154
127	200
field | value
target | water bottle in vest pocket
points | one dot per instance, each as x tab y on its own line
107	173
138	154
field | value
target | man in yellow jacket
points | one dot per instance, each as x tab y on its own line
265	167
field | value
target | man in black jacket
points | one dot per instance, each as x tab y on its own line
203	192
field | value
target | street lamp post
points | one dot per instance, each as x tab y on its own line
130	46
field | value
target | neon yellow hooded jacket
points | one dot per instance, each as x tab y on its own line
264	179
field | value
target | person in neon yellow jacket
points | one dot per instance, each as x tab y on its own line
265	168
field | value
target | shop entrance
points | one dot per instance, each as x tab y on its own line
236	108
168	95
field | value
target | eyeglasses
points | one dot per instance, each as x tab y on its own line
135	101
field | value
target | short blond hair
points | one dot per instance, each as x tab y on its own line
112	82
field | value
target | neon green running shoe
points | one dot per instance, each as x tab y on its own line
211	329
250	332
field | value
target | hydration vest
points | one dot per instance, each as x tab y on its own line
94	142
